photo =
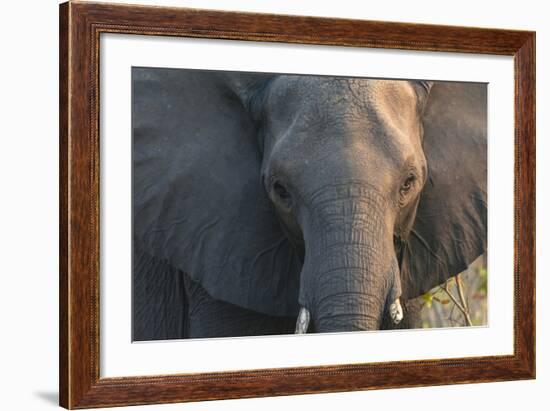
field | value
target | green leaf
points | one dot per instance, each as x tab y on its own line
428	298
482	285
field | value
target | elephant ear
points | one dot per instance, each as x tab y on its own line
198	202
450	228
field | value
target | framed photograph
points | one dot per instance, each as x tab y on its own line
258	205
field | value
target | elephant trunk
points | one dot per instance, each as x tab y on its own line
350	277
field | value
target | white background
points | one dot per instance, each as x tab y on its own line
28	217
119	357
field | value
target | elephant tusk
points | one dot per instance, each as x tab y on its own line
396	311
302	322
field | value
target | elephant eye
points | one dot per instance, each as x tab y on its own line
407	185
282	193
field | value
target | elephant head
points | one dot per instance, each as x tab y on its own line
336	196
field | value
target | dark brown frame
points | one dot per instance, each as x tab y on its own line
80	27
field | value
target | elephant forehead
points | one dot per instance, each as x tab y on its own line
337	95
323	107
361	123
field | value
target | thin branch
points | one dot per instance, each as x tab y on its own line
457	304
458	282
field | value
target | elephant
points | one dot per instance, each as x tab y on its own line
282	203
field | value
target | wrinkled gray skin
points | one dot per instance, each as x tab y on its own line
256	195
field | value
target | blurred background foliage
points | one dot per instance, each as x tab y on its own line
461	301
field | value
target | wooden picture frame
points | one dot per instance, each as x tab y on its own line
81	24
